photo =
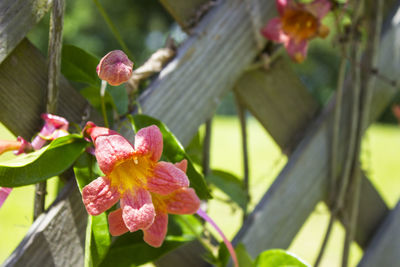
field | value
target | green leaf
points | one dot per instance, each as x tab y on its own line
130	249
195	149
79	66
223	255
45	163
174	152
243	256
98	239
120	97
278	258
229	184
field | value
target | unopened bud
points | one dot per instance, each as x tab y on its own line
115	68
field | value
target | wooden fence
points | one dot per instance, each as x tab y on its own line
212	61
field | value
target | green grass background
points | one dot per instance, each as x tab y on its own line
380	160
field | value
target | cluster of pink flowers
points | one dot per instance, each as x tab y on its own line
148	189
54	127
296	25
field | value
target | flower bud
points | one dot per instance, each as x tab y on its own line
115	68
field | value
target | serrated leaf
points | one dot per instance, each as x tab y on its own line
174	152
230	184
45	163
79	66
278	257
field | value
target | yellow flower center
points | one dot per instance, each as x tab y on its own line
132	173
299	24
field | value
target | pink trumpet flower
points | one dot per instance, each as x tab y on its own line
181	201
19	146
134	175
115	68
54	127
296	25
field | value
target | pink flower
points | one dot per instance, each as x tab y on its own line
181	201
134	175
54	127
19	146
115	68
296	25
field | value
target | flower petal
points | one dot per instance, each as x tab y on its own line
99	196
25	146
273	31
297	50
116	224
281	6
56	121
137	209
155	234
319	8
115	68
111	147
182	201
149	140
166	178
182	165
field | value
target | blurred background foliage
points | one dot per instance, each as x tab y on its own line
145	25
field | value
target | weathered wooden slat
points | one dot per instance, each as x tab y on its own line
385	246
17	17
23	83
57	237
184	12
64	224
304	180
285	108
206	66
182	96
279	101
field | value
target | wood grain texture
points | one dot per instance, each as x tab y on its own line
285	108
17	18
279	101
385	246
23	83
57	237
184	12
304	180
206	66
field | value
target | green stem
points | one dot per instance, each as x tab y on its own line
112	27
103	104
